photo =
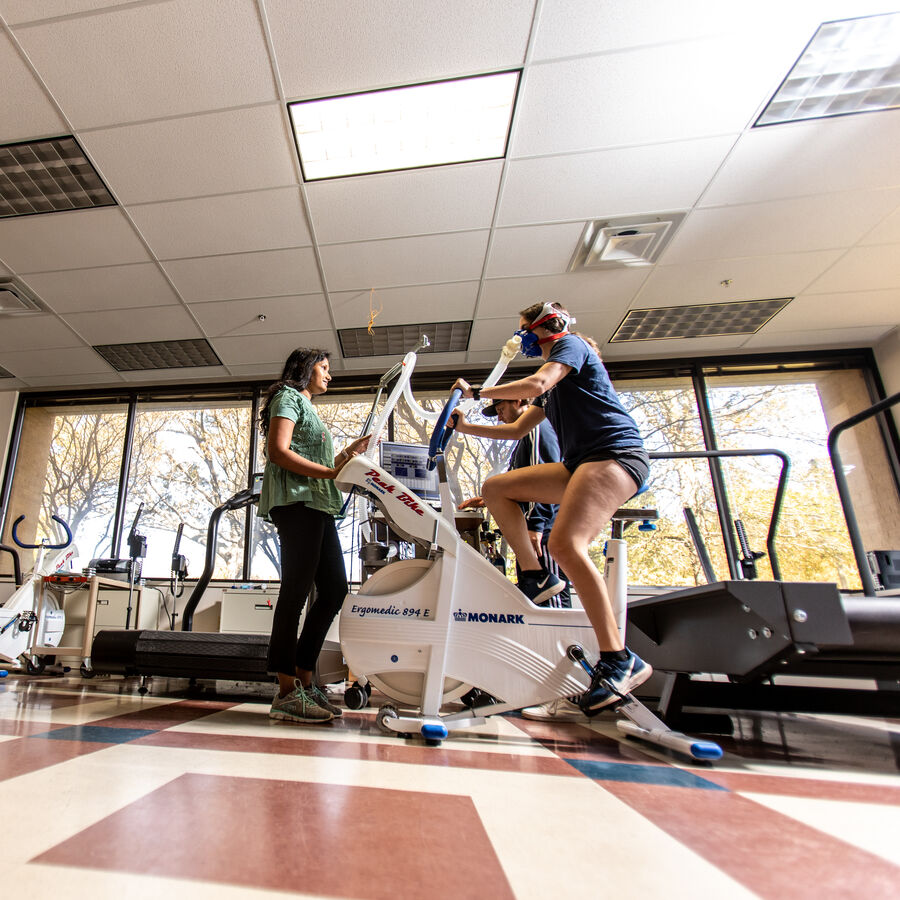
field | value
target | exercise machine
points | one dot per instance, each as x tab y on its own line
31	621
427	631
722	646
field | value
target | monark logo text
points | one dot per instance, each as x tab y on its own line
503	618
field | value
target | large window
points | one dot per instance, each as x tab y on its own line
186	460
68	467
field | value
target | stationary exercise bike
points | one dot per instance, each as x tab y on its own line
25	622
426	631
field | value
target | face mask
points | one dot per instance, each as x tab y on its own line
530	343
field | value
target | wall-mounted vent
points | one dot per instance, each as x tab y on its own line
702	320
159	355
626	241
48	176
391	340
16	299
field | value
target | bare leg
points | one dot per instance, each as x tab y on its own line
502	494
594	492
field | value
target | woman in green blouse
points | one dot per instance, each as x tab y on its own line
299	496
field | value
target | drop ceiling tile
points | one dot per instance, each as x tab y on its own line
676	347
827	221
426	362
62	364
578	292
75	380
38	332
228	318
811	339
214	153
861	269
167	323
111	73
350	45
663	93
533	250
257	371
404	261
885	232
274	349
406	305
752	278
491	335
191	375
244	276
234	223
18	11
654	178
440	198
575	27
68	240
8	385
851	310
25	110
108	288
837	154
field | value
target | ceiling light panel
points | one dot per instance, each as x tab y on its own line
395	340
433	124
850	66
48	176
702	320
159	355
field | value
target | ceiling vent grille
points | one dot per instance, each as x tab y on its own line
16	299
48	176
391	340
627	241
159	355
701	320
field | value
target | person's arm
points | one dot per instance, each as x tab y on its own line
278	448
511	432
539	382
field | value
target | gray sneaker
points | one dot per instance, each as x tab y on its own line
298	706
321	698
561	710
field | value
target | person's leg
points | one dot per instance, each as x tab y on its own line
594	492
563	600
331	589
300	537
545	483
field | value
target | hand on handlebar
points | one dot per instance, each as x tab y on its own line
464	386
458	421
354	448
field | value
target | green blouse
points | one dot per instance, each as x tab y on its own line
310	440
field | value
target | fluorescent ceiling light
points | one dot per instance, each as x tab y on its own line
432	124
851	66
394	340
147	355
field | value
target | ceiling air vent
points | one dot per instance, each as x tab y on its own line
159	355
18	300
627	241
701	320
391	340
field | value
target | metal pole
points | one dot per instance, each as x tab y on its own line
122	497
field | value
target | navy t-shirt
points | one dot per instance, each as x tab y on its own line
583	407
538	516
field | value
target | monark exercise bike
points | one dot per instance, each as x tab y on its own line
426	631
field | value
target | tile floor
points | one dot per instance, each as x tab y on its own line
107	794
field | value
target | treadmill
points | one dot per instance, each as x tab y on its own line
751	631
200	655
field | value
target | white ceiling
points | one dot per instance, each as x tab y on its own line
624	109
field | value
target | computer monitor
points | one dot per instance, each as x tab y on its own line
406	462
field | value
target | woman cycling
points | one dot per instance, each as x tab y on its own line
603	465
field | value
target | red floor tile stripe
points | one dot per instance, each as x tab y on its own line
323	839
769	853
25	755
165	716
391	751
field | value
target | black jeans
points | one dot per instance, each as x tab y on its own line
310	554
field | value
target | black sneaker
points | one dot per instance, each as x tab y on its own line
540	585
613	680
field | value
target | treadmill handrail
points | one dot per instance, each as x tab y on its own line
856	542
242	498
779	491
